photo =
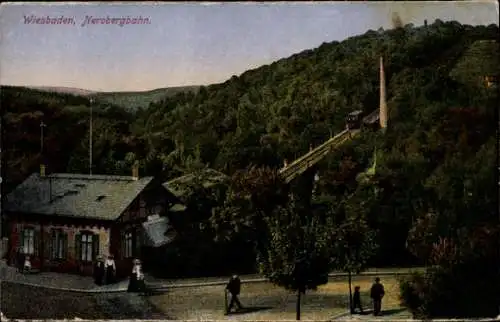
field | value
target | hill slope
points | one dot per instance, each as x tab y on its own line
134	100
63	90
438	149
128	100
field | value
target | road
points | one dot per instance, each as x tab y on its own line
27	302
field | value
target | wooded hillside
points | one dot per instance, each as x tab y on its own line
438	152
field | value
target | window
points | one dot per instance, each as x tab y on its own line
154	210
129	245
59	243
87	246
28	241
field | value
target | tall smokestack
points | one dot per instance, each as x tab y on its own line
383	103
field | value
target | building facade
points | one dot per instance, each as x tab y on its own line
64	221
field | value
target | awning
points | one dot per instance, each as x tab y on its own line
155	232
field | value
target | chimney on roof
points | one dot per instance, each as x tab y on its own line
383	102
135	171
42	170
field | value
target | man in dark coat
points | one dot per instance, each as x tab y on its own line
99	270
19	259
377	293
234	287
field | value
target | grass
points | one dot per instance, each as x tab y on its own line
270	302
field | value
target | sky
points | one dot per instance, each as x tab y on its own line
188	44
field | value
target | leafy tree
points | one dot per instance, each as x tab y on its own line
297	256
354	245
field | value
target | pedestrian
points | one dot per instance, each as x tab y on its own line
234	288
110	267
27	265
19	259
99	270
377	293
141	284
356	300
133	285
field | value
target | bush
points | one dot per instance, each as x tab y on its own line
468	289
411	296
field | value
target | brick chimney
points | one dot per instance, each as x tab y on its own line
42	170
383	102
135	171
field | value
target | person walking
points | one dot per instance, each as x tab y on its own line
110	267
377	293
234	288
356	300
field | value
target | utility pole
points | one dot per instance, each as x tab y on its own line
42	125
90	137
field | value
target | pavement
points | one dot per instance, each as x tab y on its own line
28	302
58	281
85	284
392	314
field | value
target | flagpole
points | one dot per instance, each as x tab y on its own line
90	137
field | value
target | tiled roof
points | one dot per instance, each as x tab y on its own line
75	195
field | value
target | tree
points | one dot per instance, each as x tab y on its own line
459	284
353	246
297	256
252	196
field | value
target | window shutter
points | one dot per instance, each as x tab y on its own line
78	247
65	245
95	246
36	242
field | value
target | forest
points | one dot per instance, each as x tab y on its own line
435	165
